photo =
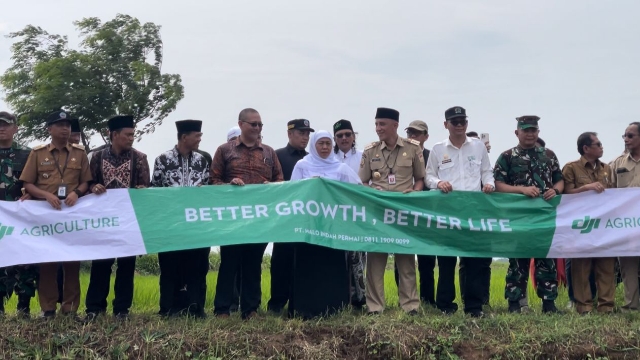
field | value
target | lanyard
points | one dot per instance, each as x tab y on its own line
66	161
387	158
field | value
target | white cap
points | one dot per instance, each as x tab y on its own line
233	132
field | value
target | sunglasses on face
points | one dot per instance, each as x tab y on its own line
629	136
415	133
598	144
458	122
254	125
345	135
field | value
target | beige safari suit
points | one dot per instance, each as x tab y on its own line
41	171
577	174
625	173
407	162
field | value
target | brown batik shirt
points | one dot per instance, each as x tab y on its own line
253	165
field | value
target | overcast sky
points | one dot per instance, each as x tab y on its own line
573	63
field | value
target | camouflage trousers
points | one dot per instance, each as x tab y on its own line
518	276
18	279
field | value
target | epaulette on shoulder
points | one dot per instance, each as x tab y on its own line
414	142
78	146
41	146
619	157
372	145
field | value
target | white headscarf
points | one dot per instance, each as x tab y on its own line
313	165
233	132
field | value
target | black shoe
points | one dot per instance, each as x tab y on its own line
413	313
121	316
448	311
549	307
88	318
476	314
514	307
48	314
373	313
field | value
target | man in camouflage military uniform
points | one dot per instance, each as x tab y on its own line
20	279
534	172
392	164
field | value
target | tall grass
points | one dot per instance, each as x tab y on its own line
147	293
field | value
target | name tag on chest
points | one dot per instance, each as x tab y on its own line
392	179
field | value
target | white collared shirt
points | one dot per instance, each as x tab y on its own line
465	168
350	158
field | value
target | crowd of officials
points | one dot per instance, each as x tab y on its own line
310	280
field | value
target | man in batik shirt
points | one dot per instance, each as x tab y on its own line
118	166
245	160
183	270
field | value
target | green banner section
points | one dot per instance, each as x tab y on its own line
346	216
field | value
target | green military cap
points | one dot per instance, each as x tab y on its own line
528	121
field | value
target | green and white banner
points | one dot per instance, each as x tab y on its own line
323	212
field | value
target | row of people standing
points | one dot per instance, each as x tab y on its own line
526	169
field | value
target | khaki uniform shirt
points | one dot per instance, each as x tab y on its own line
625	172
580	172
44	161
406	161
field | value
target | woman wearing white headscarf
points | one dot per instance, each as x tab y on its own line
321	275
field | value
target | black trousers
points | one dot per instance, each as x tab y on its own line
100	280
475	283
235	301
249	256
446	293
281	275
484	270
183	281
426	265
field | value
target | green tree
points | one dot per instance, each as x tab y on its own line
116	70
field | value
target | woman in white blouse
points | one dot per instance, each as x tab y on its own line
321	276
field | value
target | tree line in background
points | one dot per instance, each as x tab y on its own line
117	69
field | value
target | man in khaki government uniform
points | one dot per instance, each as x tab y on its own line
392	164
625	173
58	172
590	174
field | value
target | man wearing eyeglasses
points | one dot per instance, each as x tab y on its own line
419	131
625	173
590	174
346	152
460	163
534	172
298	132
245	160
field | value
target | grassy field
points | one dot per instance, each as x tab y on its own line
349	335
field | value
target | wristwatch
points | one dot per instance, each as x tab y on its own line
77	192
557	191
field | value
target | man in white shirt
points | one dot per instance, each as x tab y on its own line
345	148
346	152
459	163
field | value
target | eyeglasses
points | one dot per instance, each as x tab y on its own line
629	136
598	144
344	135
458	122
254	125
411	133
